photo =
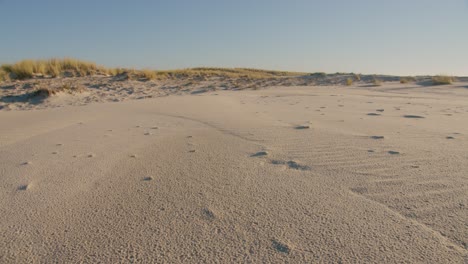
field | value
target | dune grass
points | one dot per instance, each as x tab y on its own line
319	74
349	81
407	79
442	80
26	69
225	72
376	82
4	76
357	76
68	67
67	87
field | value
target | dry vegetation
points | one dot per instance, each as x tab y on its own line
442	79
376	82
349	81
224	72
407	79
27	69
68	67
4	76
49	90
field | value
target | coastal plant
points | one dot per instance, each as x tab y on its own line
113	71
376	82
26	69
319	74
442	80
4	75
69	67
349	81
46	89
407	79
147	74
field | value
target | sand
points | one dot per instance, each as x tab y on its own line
296	174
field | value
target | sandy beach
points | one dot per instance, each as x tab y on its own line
286	173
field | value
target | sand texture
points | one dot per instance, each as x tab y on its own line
282	174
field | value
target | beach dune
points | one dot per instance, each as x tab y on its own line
227	177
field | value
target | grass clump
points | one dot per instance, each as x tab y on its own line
4	75
115	71
407	79
147	74
26	69
357	76
319	74
376	82
349	81
47	90
442	79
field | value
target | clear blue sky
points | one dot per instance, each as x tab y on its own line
366	36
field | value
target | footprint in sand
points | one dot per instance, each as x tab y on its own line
24	187
393	152
155	127
373	114
91	155
291	164
281	247
413	116
148	134
377	137
133	156
450	137
303	127
148	178
209	214
380	110
59	144
26	163
370	150
192	151
55	152
259	154
359	190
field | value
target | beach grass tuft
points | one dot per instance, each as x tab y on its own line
442	80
